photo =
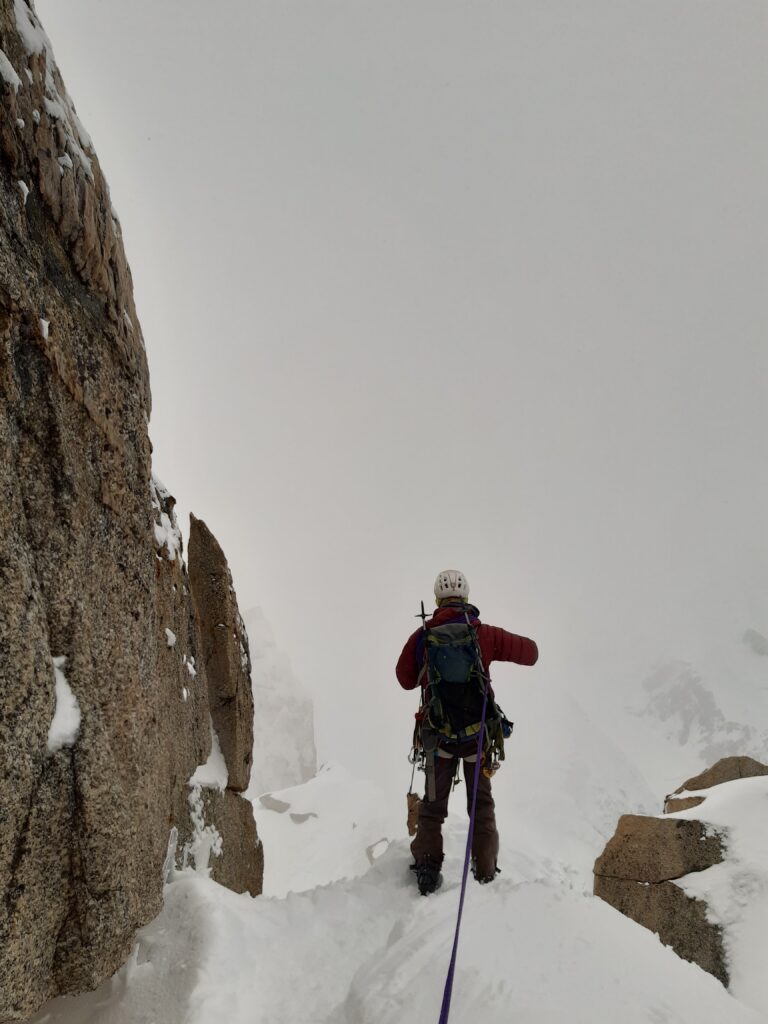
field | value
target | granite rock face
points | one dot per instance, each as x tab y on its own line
91	568
223	838
636	872
678	920
652	850
225	652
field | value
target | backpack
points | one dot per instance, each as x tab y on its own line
456	677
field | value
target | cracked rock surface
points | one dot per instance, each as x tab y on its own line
91	568
637	870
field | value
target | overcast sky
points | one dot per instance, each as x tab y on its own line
450	284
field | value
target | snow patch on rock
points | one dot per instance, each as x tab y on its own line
206	840
8	73
65	725
213	774
736	890
58	105
167	531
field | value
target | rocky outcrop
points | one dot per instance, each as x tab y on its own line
635	875
652	850
225	652
638	870
725	770
678	920
104	709
223	838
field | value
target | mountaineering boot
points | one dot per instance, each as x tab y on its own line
428	877
485	875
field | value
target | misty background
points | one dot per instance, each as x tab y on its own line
453	285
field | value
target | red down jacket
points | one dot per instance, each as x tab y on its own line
495	644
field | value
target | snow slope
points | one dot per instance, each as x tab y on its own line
332	827
535	948
736	891
341	936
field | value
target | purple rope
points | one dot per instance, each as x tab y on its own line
445	1008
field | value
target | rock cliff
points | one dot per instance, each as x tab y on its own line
107	683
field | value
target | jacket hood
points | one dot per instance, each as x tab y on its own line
454	611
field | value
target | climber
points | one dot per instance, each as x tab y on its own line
449	658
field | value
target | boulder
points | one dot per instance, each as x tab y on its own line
636	872
645	849
727	769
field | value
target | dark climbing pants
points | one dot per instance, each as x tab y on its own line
428	843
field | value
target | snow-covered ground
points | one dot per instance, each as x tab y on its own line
736	891
536	947
340	935
332	827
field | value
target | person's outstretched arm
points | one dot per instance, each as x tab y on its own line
407	670
504	646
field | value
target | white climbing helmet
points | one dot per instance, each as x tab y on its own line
451	583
